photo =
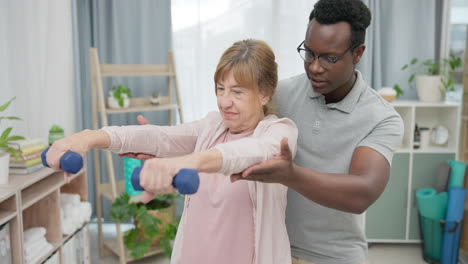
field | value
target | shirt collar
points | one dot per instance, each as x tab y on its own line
348	103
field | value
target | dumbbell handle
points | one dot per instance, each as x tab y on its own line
186	181
71	162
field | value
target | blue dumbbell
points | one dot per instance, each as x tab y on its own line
71	162
186	181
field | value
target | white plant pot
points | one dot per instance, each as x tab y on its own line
4	167
429	88
155	100
113	103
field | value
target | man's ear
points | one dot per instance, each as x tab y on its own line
357	54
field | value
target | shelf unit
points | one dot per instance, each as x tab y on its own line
34	201
171	103
393	217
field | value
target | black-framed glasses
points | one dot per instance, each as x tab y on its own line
325	61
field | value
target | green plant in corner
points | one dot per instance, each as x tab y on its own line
120	92
147	227
453	63
430	67
5	137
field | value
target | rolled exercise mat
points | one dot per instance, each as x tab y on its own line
452	230
129	165
457	173
443	175
432	208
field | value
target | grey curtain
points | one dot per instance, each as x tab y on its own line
130	32
400	30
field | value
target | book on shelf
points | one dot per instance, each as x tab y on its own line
25	143
26	170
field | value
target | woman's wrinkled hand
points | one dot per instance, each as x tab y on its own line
156	177
79	143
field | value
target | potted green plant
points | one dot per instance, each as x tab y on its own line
155	99
153	221
119	97
452	63
55	133
433	78
6	150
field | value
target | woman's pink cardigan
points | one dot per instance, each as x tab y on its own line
271	238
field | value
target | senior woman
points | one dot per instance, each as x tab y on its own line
224	222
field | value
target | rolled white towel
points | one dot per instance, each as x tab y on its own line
85	212
72	212
68	198
39	251
68	226
45	249
34	233
31	246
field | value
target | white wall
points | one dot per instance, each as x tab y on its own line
36	65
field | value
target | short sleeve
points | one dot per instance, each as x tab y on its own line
386	136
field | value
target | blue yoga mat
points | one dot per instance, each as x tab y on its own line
432	208
455	208
457	173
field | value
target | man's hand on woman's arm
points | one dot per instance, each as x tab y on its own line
353	192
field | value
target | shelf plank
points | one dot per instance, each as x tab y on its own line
106	189
6	193
435	150
410	103
24	181
37	185
111	70
112	245
143	104
41	189
6	216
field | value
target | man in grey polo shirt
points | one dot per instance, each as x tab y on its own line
347	137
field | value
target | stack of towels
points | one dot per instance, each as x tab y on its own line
74	212
35	245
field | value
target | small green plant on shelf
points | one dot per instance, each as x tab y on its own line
139	239
120	93
5	137
155	98
430	67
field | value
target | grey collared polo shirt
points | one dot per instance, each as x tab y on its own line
328	136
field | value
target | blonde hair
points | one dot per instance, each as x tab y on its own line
252	63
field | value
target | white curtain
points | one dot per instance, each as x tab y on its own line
203	29
36	65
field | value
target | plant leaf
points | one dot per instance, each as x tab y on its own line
5	106
15	138
411	78
398	90
122	210
404	67
414	61
140	249
6	133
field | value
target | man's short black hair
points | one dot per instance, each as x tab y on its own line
355	12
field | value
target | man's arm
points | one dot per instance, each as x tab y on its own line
353	192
